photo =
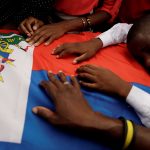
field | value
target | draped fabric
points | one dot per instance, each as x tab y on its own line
36	133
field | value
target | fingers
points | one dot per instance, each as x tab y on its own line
58	50
45	113
86	76
86	69
62	77
26	26
53	79
37	24
80	58
29	28
41	36
75	82
41	40
50	40
88	85
37	38
35	27
45	85
49	87
23	28
63	50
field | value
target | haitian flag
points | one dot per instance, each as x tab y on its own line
23	67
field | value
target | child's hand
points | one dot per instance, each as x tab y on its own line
30	25
103	80
86	49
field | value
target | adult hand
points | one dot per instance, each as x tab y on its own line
71	107
85	50
103	80
47	34
30	25
73	111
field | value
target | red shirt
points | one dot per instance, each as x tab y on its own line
133	9
81	7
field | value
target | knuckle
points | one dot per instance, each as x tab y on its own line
62	46
44	37
30	17
37	35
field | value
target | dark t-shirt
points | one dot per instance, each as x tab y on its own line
8	9
40	9
17	10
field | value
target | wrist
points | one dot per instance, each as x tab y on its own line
97	43
110	126
125	90
73	25
105	129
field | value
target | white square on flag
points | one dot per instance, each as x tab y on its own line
16	59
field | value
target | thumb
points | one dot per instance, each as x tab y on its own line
80	58
45	113
37	25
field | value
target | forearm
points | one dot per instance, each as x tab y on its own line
78	25
99	18
111	133
101	129
142	138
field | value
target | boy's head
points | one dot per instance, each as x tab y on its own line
138	41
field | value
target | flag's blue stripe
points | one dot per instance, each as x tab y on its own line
39	135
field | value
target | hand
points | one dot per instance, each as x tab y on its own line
85	50
47	34
71	107
73	111
30	25
103	80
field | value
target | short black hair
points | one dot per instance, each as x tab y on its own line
140	27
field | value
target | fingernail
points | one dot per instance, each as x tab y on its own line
74	62
28	34
53	51
60	71
57	56
35	110
46	44
28	39
36	44
34	27
30	43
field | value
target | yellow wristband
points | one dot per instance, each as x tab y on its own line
129	136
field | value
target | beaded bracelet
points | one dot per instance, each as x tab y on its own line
84	21
89	23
